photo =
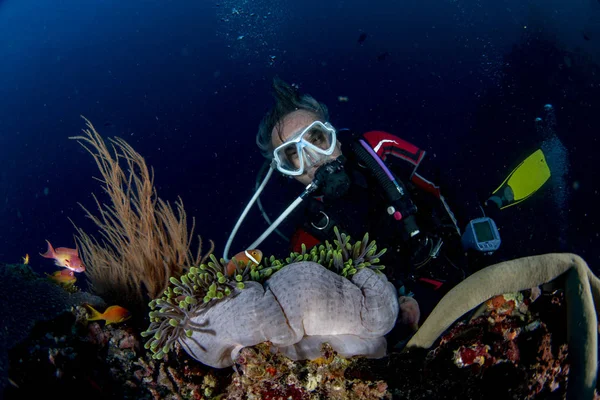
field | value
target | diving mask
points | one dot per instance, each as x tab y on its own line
305	149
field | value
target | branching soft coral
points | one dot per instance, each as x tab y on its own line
144	241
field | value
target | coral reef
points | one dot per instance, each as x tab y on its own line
583	300
27	299
262	374
75	358
504	333
512	347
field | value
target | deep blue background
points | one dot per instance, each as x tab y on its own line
186	83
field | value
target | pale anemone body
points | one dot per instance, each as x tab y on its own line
300	307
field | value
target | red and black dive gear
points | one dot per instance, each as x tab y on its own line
389	199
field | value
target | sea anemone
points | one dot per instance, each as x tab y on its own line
333	293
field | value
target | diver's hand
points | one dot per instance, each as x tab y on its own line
409	314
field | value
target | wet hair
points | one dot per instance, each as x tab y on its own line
287	100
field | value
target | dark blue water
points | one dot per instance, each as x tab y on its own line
187	82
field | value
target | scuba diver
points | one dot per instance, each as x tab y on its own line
375	185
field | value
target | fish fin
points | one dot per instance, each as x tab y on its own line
94	314
66	250
50	252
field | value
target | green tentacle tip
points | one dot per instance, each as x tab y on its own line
189	333
240	285
173	322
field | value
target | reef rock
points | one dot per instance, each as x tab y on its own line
300	307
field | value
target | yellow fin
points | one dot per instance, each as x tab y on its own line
94	314
526	179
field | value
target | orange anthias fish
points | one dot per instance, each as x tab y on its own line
65	257
244	258
63	277
112	315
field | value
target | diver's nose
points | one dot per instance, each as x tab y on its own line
311	158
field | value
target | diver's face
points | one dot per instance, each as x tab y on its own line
291	125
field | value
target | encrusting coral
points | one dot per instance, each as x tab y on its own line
262	374
334	293
582	290
144	242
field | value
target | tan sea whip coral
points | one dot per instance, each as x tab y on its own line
144	241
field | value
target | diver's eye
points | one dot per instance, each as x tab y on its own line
315	136
318	138
291	154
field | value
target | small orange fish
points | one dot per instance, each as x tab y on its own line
63	277
65	257
112	315
26	259
244	258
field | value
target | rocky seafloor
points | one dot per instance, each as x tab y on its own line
514	347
